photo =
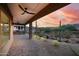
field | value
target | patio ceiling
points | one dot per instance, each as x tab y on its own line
22	19
40	10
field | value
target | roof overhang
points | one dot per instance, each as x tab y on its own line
48	9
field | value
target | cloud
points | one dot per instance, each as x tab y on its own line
70	13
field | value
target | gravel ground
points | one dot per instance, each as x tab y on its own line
24	47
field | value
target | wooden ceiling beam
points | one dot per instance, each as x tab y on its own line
48	9
18	24
5	9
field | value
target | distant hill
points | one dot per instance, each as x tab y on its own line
77	26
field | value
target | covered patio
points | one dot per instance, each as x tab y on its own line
40	10
21	14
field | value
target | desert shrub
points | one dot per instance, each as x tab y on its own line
56	43
76	33
67	27
43	39
36	37
66	34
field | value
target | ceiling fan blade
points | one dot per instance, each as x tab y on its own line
23	13
21	7
29	12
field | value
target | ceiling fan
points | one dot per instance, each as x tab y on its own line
25	10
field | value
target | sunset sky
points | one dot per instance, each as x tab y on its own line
68	14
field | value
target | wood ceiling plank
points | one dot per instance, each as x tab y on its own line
32	7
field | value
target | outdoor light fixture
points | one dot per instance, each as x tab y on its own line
1	24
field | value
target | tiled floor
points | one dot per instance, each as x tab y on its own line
24	47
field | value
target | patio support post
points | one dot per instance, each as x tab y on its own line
30	30
24	28
36	27
10	24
